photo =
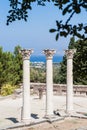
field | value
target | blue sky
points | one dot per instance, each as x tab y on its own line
35	32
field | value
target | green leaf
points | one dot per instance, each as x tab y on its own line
85	28
57	36
56	4
77	9
65	1
62	33
52	30
67	9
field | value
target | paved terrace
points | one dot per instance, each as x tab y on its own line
10	108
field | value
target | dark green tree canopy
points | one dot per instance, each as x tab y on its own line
79	62
10	67
19	10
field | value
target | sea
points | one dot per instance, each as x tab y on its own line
41	58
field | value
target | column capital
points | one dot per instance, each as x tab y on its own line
26	53
49	53
70	53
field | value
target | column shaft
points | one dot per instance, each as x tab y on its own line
26	112
26	90
69	97
69	94
49	82
49	91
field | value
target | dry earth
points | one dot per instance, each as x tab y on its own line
67	124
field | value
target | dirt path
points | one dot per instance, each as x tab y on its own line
67	124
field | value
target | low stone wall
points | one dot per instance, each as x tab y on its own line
58	89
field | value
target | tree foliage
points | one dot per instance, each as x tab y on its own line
18	65
7	89
38	75
56	73
19	10
79	62
10	67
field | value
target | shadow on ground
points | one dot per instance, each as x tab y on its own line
14	120
35	116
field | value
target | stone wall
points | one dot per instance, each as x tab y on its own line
59	89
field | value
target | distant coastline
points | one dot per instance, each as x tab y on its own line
41	58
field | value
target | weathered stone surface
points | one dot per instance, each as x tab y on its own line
61	113
49	81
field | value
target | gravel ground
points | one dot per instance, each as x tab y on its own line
10	110
67	124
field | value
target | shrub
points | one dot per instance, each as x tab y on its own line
7	89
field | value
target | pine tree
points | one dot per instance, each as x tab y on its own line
79	62
18	65
10	67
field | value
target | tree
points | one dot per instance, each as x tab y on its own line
10	67
62	71
1	67
19	10
18	65
6	68
38	75
56	74
79	62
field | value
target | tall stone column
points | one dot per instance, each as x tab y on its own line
26	112
69	94
49	82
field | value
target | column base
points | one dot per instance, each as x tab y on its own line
70	112
52	116
26	121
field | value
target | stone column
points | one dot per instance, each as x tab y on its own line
49	82
69	94
26	113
